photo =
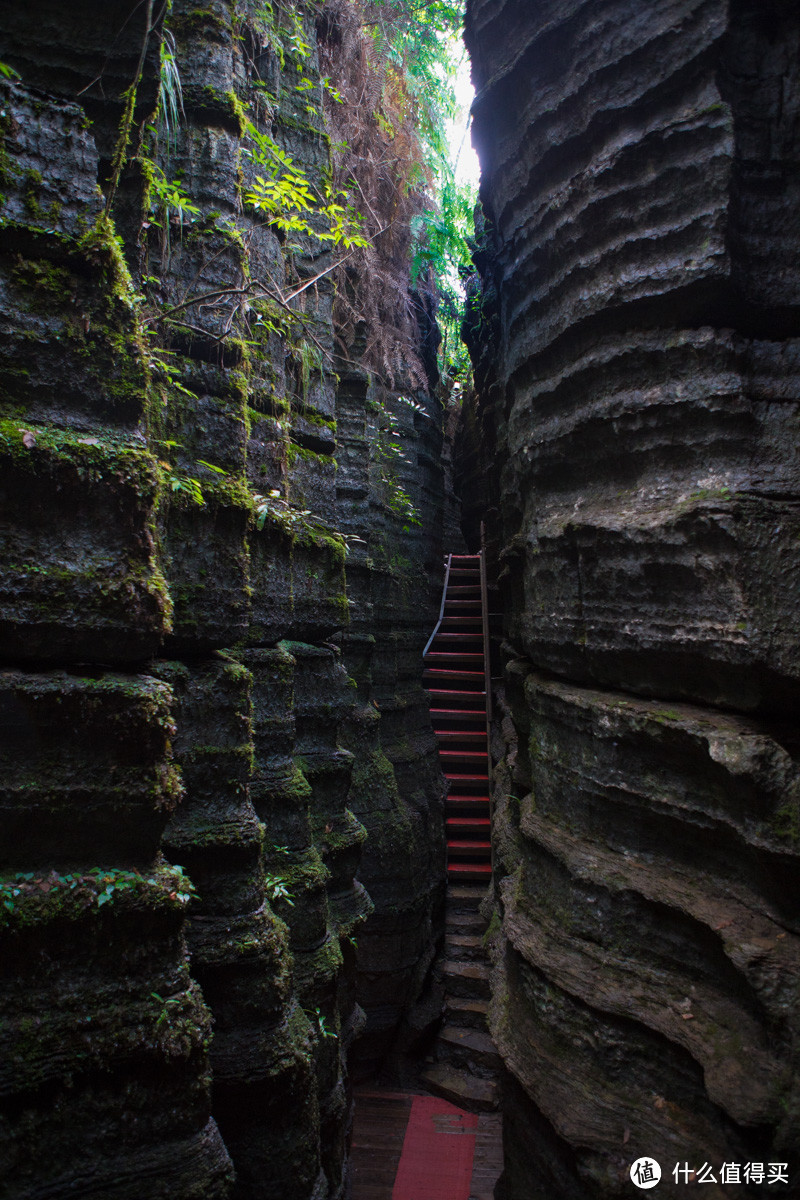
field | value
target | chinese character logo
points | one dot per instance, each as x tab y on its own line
645	1172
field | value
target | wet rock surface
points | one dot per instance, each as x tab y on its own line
633	443
212	619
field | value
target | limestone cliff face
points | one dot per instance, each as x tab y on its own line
211	620
637	345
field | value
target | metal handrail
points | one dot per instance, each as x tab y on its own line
487	683
487	666
441	609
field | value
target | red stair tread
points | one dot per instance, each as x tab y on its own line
472	760
453	635
453	734
459	655
454	692
457	712
447	673
454	675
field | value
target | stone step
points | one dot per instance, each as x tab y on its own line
468	1049
461	921
464	947
468	979
466	896
466	1013
461	1089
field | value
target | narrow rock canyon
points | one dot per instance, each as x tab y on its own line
633	447
222	875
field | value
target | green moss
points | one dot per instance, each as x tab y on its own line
238	110
225	106
310	874
495	925
199	19
31	187
28	899
321	422
184	491
295	452
786	822
350	832
41	448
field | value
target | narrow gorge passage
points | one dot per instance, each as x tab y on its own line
459	688
249	901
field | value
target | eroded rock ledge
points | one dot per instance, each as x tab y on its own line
194	671
636	335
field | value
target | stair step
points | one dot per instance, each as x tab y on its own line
453	657
469	871
454	694
442	674
464	846
462	620
460	921
457	777
452	735
461	714
468	896
460	589
464	947
465	1091
478	757
467	979
461	825
466	1046
463	1012
478	805
458	637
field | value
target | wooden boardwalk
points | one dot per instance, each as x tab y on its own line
379	1131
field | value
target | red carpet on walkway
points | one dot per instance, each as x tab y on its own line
436	1163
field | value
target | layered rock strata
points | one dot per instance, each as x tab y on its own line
636	340
177	676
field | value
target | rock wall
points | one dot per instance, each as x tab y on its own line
211	621
636	336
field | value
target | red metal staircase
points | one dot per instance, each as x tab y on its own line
456	673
